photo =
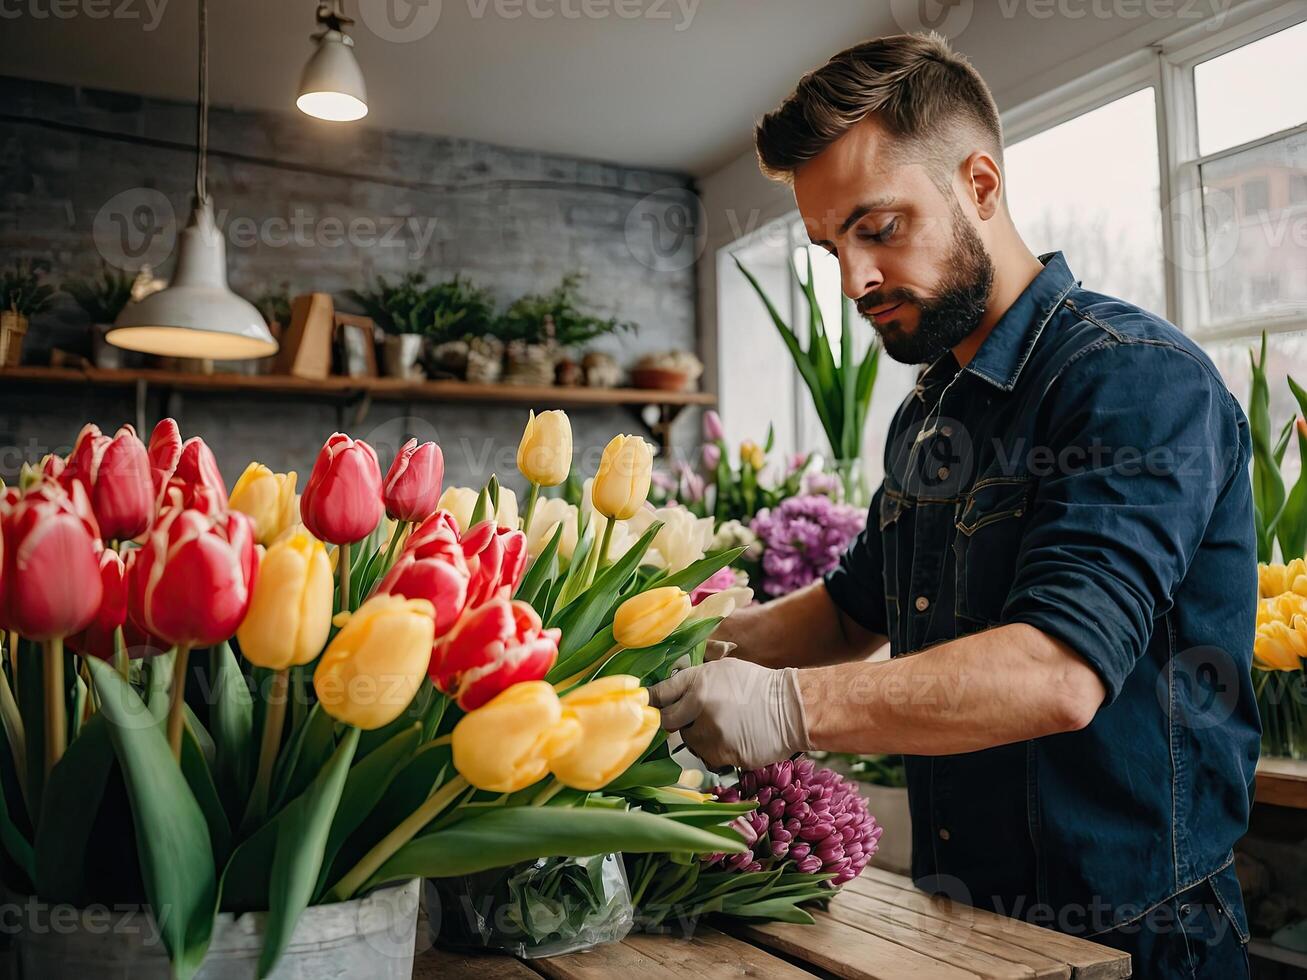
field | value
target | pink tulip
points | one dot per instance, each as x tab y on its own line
342	501
713	430
412	485
116	474
51	562
712	455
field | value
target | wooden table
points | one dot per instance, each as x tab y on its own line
878	928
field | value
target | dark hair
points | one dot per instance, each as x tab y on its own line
915	84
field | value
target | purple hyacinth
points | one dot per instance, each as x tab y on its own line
802	539
808	816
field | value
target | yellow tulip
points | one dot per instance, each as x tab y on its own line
506	744
462	501
622	484
752	453
373	667
290	611
544	456
268	499
693	795
650	617
617	725
1281	646
1274	580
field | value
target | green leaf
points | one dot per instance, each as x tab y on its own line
70	806
541	569
505	836
599	644
698	572
366	783
304	757
661	772
232	720
198	776
301	842
171	834
580	620
1268	484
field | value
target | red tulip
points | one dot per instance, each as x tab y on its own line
437	534
442	581
196	467
51	562
116	474
342	501
139	641
412	485
165	451
53	466
97	639
491	649
496	560
191	583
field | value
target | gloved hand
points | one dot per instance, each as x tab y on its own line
735	713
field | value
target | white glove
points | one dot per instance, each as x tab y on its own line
735	713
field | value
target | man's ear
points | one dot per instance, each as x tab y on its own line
983	182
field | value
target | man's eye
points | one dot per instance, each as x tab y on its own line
885	232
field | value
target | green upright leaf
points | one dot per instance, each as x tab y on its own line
301	842
232	720
504	836
309	748
542	568
70	806
171	834
585	615
1268	484
200	779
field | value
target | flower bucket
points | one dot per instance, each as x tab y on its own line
368	937
13	328
538	908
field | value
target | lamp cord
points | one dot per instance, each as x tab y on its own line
202	122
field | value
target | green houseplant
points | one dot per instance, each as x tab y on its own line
841	392
102	298
539	327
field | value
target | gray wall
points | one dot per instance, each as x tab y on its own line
88	176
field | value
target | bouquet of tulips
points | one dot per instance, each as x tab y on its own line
262	704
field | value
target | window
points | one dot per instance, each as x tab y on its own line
1104	214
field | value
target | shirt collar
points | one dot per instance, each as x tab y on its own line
1003	353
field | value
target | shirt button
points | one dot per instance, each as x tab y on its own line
943	833
942	473
922	603
946	431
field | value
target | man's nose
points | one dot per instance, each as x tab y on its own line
858	277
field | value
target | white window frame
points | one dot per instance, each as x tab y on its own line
1168	68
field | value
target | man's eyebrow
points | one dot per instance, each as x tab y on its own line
858	213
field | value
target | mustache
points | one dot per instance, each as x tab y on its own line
873	301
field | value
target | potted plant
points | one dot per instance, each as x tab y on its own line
23	294
102	299
188	731
462	323
402	311
539	327
841	392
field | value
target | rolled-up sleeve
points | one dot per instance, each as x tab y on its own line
857	584
1143	439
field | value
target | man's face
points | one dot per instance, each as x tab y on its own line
909	257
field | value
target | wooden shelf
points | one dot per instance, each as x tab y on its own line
1282	782
362	391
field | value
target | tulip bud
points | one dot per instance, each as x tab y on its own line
374	666
712	455
52	585
617	725
412	486
290	612
190	584
165	450
342	501
649	617
116	475
506	744
752	454
441	579
493	647
713	429
496	560
622	484
197	469
544	456
460	502
268	499
97	639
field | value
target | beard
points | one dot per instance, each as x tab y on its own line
947	318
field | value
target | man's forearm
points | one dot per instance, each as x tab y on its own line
1007	684
802	629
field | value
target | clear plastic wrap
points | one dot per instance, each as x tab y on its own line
539	908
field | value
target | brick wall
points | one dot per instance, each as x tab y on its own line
88	176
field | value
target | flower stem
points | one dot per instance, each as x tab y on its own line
358	875
121	659
532	496
605	544
15	734
56	712
394	543
342	566
177	699
585	673
548	793
271	741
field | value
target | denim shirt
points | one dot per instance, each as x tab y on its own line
1087	474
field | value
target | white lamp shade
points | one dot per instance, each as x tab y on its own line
196	315
332	84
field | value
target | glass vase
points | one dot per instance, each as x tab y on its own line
854	485
1282	703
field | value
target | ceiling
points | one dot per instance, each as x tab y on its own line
667	84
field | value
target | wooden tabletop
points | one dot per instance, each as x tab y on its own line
878	928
